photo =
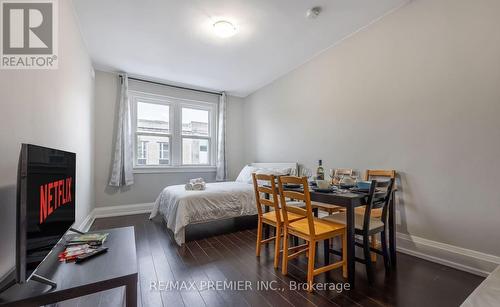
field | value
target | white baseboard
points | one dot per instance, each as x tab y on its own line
453	256
87	222
111	211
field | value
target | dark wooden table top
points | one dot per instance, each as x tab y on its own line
105	270
345	199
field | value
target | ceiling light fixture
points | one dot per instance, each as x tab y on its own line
224	29
313	12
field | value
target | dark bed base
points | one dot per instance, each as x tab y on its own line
213	228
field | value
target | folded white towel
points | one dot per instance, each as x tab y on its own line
197	180
197	184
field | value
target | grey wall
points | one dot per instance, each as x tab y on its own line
52	108
148	186
418	91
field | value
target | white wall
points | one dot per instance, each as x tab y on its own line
148	186
53	108
419	92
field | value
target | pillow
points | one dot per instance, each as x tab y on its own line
275	171
245	175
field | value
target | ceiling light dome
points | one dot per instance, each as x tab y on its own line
313	12
224	29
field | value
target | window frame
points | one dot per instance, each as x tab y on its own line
161	151
211	132
144	149
175	136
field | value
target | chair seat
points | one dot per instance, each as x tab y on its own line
358	220
326	207
376	213
271	216
320	227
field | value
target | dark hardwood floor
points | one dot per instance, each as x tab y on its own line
231	257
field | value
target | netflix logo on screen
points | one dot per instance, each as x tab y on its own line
54	195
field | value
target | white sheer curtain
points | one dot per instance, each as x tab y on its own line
221	174
121	173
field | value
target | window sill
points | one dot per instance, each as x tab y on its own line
175	169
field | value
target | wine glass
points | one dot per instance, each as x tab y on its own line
306	172
355	176
331	172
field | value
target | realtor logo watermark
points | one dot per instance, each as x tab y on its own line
29	36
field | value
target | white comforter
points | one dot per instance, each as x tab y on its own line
487	294
218	201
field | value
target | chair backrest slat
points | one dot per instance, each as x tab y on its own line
343	172
383	183
266	202
304	196
291	179
294	195
264	189
371	173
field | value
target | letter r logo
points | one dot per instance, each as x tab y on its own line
27	27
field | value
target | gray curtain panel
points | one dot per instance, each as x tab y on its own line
221	174
121	173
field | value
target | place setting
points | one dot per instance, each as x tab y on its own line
338	183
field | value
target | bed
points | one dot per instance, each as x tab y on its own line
220	200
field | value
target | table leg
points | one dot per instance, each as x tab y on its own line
131	292
315	212
351	260
326	251
392	230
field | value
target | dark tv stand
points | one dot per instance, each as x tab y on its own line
43	280
46	281
116	268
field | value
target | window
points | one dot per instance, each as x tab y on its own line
152	130
164	153
171	132
194	151
141	152
195	136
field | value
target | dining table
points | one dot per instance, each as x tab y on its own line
350	200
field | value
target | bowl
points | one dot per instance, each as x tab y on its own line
364	185
323	184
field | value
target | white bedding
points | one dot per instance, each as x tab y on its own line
220	200
487	294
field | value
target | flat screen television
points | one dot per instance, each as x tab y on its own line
45	204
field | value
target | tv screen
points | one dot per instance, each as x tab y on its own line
46	203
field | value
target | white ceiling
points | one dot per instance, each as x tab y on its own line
173	40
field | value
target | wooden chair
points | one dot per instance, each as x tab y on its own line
369	175
309	228
272	218
366	225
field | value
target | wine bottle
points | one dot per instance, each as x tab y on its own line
320	172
